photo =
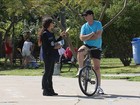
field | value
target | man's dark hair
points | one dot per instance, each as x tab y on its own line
87	12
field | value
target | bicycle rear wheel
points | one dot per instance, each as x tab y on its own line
88	81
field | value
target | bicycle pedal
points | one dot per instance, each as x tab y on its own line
92	82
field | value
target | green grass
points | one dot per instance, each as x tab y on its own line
108	66
114	66
22	72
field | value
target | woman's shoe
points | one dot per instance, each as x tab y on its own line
55	94
45	93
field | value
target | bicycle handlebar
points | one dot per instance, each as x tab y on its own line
93	48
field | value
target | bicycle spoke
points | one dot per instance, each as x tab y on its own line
88	81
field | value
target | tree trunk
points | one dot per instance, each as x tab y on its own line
63	23
67	39
117	15
1	44
126	61
103	11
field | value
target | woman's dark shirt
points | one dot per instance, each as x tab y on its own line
48	44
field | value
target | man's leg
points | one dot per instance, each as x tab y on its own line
80	57
96	63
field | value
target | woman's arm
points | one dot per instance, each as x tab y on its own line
59	39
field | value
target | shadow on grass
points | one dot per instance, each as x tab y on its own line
110	67
7	68
134	66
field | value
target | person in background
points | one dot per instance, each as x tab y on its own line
26	49
61	50
61	53
19	47
68	53
91	35
40	45
8	50
49	47
41	54
20	43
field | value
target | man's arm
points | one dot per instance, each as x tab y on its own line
96	35
86	37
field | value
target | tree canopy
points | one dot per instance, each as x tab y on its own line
120	19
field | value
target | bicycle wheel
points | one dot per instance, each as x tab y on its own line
88	81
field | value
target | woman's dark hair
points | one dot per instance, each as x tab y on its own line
26	35
45	24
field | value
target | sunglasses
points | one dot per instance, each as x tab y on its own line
85	15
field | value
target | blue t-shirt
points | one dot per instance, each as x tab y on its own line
87	29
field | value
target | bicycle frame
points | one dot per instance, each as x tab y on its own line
87	60
85	78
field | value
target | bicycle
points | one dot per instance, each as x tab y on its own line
88	80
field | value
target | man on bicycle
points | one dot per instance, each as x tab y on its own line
91	35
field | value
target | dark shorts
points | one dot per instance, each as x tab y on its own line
95	53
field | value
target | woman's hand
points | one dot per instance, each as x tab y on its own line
64	34
57	46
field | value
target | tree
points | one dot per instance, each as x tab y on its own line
119	35
26	12
12	15
76	6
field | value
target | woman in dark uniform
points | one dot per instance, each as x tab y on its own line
49	47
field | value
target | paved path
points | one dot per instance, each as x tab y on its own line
26	90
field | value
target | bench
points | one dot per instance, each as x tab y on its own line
71	63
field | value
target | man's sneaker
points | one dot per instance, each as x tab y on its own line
99	91
78	73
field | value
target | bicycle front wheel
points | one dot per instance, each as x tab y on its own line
88	81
